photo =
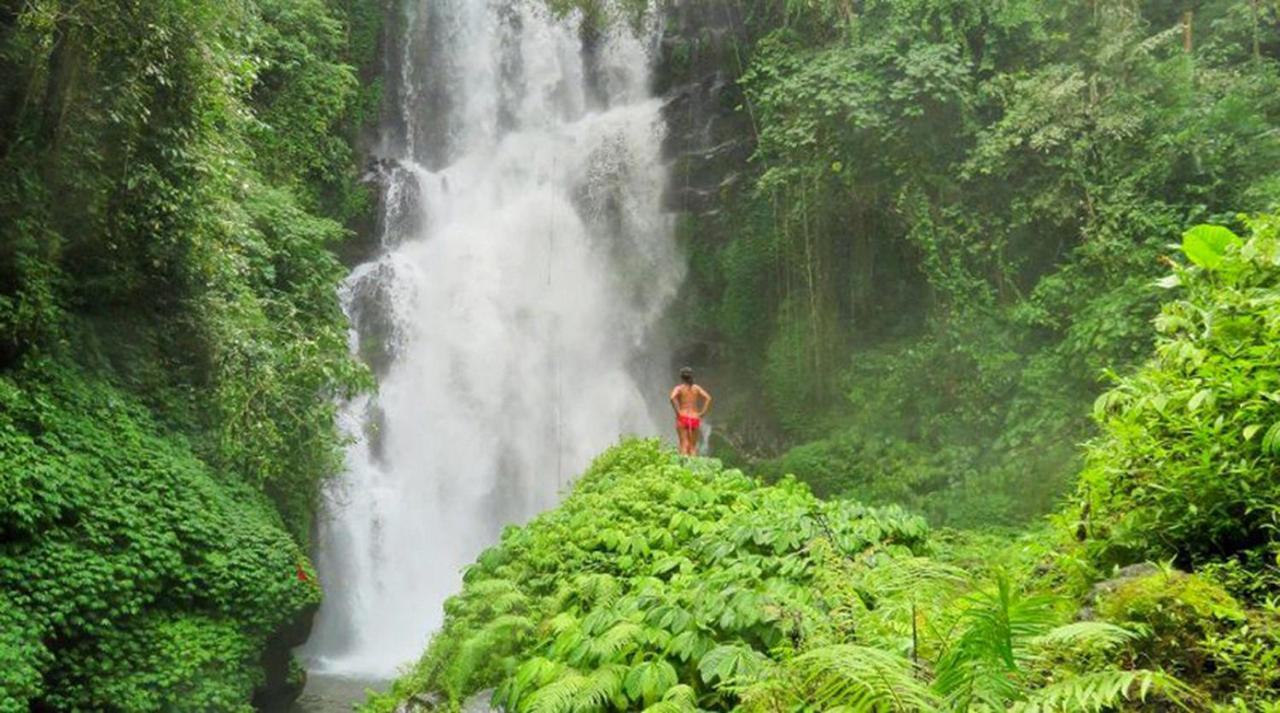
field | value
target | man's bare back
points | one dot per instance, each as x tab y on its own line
685	398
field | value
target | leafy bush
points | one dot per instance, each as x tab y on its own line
670	585
1178	610
653	582
134	577
1246	660
953	210
1186	464
174	178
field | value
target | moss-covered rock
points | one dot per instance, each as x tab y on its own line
1178	610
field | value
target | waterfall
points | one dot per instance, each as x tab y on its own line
525	260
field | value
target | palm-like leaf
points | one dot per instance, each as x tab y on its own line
985	661
860	678
1086	635
557	696
1100	690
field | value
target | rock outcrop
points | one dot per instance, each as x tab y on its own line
709	130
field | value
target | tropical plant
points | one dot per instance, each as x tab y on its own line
654	584
1184	467
174	178
676	586
949	222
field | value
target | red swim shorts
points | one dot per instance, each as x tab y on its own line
692	423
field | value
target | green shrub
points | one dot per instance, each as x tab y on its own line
671	585
1186	464
174	178
1177	610
133	576
1246	660
655	580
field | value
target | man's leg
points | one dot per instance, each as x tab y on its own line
694	434
680	437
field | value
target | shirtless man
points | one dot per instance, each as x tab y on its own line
684	399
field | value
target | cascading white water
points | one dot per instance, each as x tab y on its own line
526	259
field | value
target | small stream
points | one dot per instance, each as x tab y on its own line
334	694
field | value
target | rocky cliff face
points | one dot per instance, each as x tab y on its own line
710	135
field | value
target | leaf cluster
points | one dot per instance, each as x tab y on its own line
672	585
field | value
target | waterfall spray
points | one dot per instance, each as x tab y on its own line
525	261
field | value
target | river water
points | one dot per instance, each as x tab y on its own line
510	313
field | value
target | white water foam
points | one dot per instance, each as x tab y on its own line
526	260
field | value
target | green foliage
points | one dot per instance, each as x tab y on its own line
1245	658
1178	610
1106	690
174	177
675	585
135	578
855	678
954	210
654	584
182	168
1184	468
1207	245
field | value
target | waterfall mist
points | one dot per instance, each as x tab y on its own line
525	262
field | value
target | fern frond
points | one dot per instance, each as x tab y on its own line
1087	635
671	707
984	663
681	693
1099	690
859	678
909	575
509	602
600	620
561	622
489	589
598	589
624	636
602	687
557	696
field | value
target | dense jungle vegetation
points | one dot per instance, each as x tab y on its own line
946	231
667	584
174	178
970	237
962	224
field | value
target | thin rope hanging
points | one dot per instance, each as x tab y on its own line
555	352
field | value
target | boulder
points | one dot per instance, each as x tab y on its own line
1109	586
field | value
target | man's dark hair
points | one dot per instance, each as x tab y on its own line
686	375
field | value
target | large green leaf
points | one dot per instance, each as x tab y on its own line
731	664
1205	245
650	680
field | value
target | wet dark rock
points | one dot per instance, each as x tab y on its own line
481	703
421	703
433	701
284	679
372	312
709	132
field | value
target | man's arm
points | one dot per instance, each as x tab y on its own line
706	404
674	406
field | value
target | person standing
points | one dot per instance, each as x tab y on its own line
685	398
